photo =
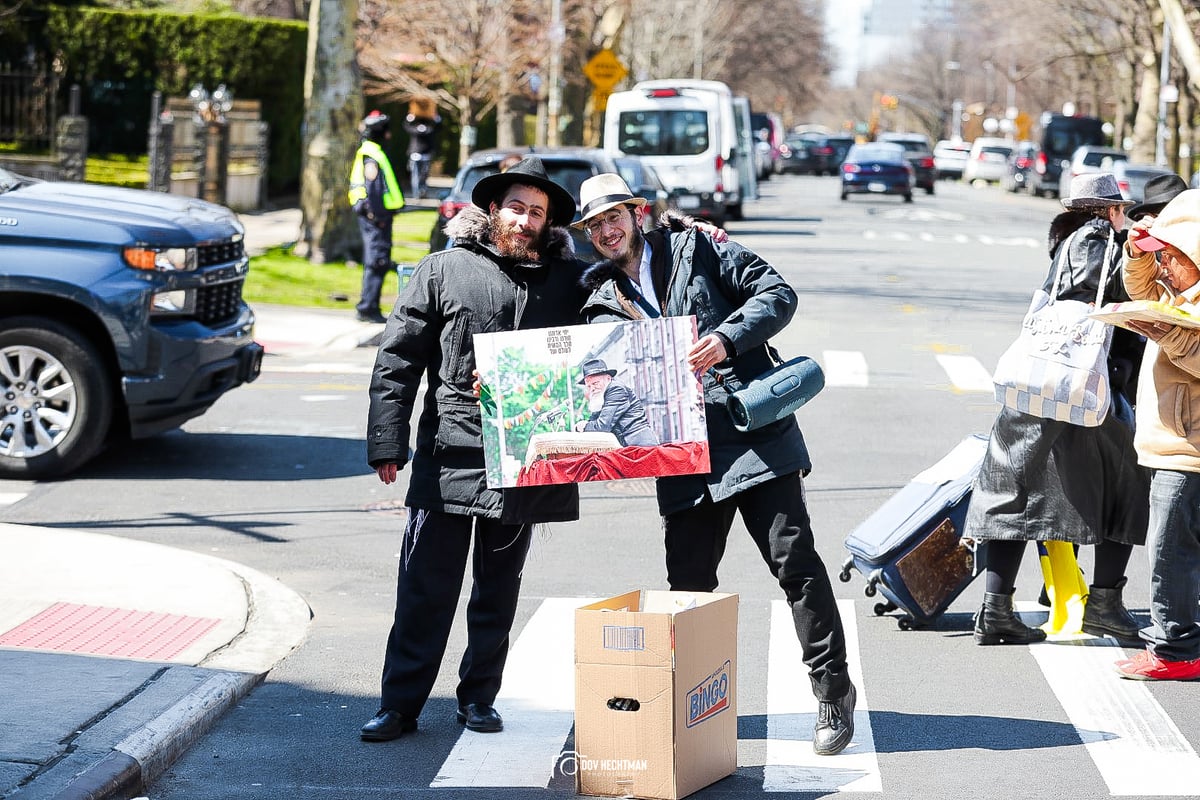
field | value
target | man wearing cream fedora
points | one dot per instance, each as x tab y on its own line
739	301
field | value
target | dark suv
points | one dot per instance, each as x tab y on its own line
569	167
121	314
1061	137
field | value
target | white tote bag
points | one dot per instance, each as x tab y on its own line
1058	366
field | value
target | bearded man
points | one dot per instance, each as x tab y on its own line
511	268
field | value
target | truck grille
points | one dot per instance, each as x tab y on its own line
219	303
219	253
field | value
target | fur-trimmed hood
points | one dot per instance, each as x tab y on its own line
597	274
471	225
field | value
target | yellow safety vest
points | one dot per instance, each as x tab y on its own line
393	199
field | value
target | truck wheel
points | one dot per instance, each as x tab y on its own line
55	399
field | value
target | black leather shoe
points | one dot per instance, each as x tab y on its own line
387	725
480	717
835	724
375	317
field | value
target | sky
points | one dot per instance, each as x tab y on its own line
843	21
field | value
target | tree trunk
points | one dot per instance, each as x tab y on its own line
466	140
333	106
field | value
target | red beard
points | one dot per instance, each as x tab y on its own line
510	244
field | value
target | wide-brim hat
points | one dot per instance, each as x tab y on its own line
601	192
529	171
1160	190
1094	190
596	366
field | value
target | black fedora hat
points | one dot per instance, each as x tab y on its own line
529	171
1160	190
596	366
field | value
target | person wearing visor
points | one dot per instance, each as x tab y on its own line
1162	259
739	301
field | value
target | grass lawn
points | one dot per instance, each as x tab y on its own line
279	277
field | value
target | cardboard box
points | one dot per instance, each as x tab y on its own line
655	694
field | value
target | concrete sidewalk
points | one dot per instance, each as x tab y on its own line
117	655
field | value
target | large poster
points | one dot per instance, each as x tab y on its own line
591	403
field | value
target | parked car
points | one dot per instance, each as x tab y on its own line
828	153
121	316
988	160
1089	158
950	158
1061	136
767	127
919	153
1131	178
567	166
1018	167
878	168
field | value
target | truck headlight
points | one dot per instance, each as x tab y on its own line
178	301
163	259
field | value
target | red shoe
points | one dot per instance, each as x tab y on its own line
1154	668
1136	660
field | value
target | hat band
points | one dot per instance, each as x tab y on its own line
607	199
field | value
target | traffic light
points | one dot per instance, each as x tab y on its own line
889	101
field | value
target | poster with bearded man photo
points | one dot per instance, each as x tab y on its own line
597	402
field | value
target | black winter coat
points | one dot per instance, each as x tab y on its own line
452	295
739	296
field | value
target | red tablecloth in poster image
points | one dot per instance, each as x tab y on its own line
672	458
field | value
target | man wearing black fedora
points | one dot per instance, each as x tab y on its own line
511	268
615	408
739	302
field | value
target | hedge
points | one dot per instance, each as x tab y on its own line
119	58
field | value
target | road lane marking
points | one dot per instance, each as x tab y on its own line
844	368
792	712
1136	746
537	701
9	498
966	373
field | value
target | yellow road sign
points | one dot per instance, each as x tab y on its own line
605	70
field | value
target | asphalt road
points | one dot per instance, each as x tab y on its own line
908	307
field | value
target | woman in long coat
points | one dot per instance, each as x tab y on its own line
1046	480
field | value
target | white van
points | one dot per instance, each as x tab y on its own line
686	130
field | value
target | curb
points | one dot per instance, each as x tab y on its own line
277	623
145	755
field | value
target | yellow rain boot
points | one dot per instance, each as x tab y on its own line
1065	587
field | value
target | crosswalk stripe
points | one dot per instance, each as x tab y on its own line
966	373
792	712
1135	745
844	368
538	703
8	498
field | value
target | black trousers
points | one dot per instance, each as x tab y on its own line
777	519
433	561
377	262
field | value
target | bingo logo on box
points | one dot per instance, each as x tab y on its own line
710	698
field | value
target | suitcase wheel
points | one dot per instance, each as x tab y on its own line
872	581
869	590
905	623
844	575
885	607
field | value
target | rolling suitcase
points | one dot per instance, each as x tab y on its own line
911	549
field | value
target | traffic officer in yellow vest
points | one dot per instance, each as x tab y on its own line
375	196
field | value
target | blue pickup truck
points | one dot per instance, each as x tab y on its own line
121	315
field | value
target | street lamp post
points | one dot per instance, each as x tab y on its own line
956	105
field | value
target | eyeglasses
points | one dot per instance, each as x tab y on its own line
612	218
